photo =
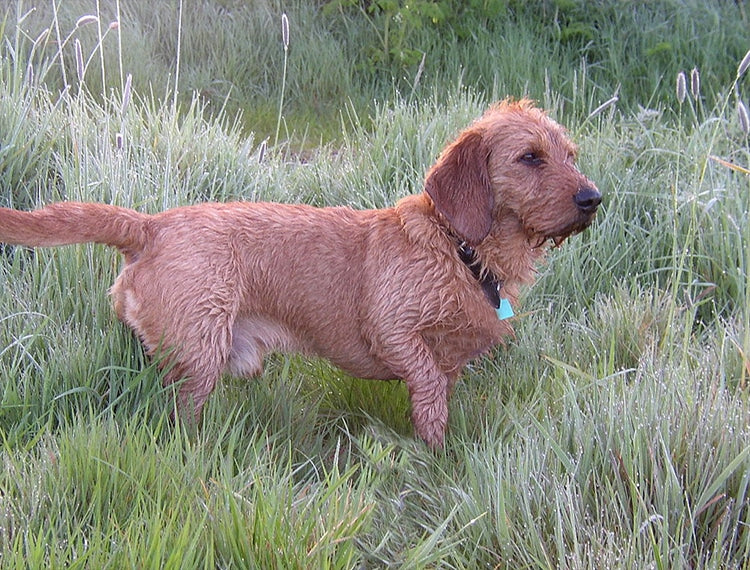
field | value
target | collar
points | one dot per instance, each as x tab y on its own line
490	284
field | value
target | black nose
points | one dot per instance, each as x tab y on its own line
587	200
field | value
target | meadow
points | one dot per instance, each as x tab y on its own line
612	432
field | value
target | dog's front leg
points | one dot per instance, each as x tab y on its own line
428	386
429	407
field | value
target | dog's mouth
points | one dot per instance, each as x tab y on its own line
551	241
586	200
557	236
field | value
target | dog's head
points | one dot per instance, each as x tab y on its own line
513	161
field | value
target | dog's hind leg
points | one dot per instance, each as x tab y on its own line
188	328
202	352
192	343
197	367
196	386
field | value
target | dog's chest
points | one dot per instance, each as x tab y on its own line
454	346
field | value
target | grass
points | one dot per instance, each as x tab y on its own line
611	432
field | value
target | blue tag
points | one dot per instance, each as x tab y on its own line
504	311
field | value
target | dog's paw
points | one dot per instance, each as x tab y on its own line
430	423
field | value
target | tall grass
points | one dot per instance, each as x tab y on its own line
611	432
232	58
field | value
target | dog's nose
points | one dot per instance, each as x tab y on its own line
588	200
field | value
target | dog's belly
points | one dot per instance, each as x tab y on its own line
252	338
255	336
367	368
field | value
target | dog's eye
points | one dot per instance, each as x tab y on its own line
531	159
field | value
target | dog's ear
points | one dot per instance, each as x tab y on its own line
459	185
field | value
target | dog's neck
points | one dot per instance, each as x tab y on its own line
491	285
509	255
504	257
499	258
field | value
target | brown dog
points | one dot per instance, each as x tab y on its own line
409	292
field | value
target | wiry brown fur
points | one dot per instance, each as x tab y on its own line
381	293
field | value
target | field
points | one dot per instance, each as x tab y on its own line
612	432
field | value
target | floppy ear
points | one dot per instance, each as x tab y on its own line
459	185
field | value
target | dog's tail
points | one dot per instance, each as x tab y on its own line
64	223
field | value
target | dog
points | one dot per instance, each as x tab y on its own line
411	292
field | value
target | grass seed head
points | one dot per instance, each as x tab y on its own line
126	93
79	59
601	108
744	64
88	19
285	31
41	37
743	117
262	152
681	86
695	83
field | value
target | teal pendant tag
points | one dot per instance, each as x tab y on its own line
504	311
